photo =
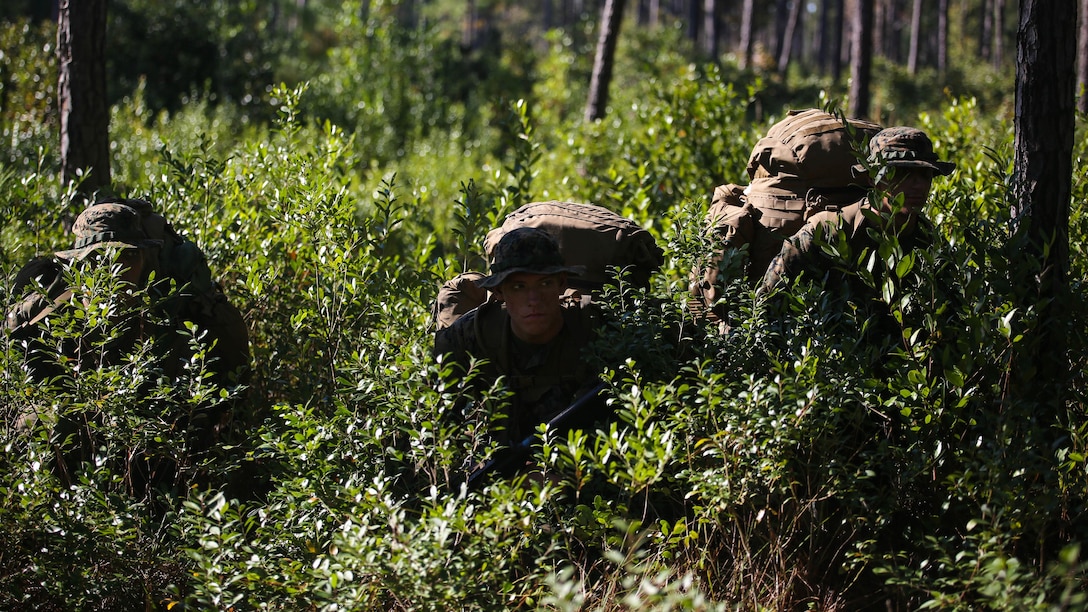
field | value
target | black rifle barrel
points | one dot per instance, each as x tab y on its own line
506	459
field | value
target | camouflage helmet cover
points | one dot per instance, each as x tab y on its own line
526	249
904	147
104	225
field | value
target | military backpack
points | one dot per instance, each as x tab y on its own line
801	167
588	235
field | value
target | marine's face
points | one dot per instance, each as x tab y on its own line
913	184
532	301
131	262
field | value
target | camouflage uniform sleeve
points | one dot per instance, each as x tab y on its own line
788	263
458	342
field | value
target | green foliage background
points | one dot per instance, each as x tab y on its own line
796	463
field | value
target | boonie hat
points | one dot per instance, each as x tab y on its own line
526	249
105	225
904	146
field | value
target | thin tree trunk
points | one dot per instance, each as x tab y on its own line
611	18
84	111
985	37
746	34
692	21
861	59
942	37
915	36
998	55
710	28
786	48
836	45
1082	59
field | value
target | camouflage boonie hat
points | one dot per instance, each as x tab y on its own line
904	146
105	225
526	249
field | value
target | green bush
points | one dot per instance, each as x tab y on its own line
824	454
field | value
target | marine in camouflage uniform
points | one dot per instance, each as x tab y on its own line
532	336
112	234
902	165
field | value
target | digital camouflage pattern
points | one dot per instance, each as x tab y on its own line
900	146
543	378
105	225
525	249
590	236
903	146
803	166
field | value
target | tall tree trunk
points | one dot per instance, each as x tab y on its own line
1082	59
746	33
915	36
781	18
986	25
710	28
611	18
861	59
942	37
836	45
786	46
692	21
1043	168
84	111
998	54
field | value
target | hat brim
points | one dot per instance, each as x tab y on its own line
83	252
942	168
494	280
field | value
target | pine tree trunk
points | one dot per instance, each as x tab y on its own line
84	110
861	59
915	36
746	34
836	45
710	28
611	18
997	56
1043	169
786	48
1082	59
942	37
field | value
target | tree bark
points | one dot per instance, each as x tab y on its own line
84	111
997	56
710	28
836	45
942	37
1045	81
915	36
611	18
861	59
746	14
1043	171
786	44
985	37
1082	59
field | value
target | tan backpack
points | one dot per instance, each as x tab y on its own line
588	235
801	167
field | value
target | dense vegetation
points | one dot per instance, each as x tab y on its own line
799	462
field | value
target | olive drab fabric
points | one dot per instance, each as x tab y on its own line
591	239
590	236
183	281
457	296
544	379
803	166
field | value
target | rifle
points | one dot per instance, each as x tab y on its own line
507	460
